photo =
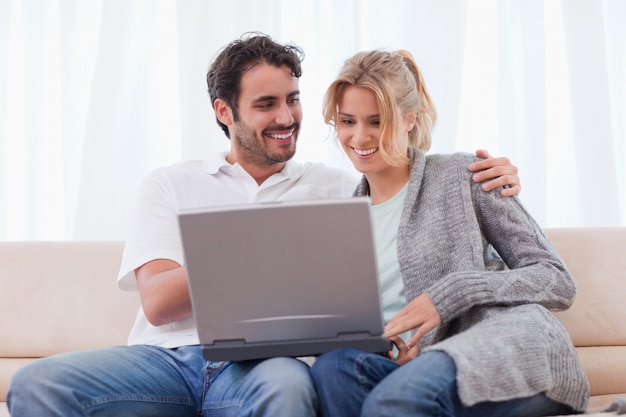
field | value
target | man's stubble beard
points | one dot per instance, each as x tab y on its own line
255	150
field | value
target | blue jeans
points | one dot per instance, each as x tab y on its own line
152	381
355	383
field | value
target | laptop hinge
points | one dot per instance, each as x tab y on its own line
229	343
353	335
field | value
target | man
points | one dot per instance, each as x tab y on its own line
253	85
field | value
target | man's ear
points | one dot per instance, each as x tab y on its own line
223	112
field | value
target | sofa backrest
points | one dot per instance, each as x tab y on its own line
60	295
595	257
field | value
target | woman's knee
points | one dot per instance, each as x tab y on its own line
422	386
330	362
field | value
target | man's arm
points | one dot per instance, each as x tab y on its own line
163	290
496	172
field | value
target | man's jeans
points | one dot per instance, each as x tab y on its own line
354	383
152	381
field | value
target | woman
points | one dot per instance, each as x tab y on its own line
483	341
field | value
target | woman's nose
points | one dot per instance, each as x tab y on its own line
361	134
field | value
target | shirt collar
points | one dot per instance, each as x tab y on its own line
217	162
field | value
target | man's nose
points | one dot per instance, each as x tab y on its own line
285	115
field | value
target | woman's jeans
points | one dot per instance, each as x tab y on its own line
152	381
355	383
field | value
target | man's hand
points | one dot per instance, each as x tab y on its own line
499	171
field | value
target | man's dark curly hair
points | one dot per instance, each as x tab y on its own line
224	75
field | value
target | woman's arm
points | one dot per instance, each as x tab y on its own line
535	272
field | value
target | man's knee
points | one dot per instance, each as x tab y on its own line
282	384
39	380
30	377
286	373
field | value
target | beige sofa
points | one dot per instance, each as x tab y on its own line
57	297
62	296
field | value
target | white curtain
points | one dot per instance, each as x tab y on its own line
95	94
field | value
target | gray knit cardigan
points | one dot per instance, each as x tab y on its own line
494	307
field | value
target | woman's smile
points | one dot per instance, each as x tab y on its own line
364	151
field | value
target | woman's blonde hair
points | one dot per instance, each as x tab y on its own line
399	88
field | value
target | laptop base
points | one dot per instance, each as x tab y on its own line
240	351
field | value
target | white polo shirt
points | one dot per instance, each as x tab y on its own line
154	232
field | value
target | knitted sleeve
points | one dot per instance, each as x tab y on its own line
535	272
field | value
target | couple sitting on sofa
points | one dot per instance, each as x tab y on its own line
473	312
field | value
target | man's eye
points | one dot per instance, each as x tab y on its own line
294	100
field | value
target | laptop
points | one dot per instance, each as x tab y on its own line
292	278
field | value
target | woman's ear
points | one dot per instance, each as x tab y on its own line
411	120
223	112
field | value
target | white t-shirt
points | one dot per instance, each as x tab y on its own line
386	221
154	232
